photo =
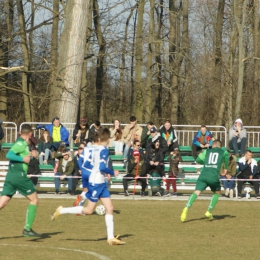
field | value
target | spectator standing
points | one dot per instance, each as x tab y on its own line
156	137
201	140
116	135
174	159
146	133
45	147
80	132
131	132
33	167
65	169
169	134
229	177
58	132
248	169
237	138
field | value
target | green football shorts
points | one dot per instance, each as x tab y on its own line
22	184
204	181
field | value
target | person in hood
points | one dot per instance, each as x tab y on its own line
169	134
237	138
156	137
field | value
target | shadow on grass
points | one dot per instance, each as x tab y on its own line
34	239
98	239
216	217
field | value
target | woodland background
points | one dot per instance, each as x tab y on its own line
191	61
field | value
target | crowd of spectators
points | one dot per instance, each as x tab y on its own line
144	150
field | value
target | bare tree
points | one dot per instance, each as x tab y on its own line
65	99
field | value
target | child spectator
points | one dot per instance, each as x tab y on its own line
65	169
174	159
33	167
44	147
77	171
230	176
155	180
116	137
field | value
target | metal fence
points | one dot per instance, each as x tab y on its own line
10	130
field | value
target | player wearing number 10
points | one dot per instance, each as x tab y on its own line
212	160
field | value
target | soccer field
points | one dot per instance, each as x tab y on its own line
151	230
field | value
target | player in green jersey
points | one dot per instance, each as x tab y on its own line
17	180
212	160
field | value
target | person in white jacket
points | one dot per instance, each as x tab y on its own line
237	138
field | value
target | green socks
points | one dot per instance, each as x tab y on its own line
191	200
213	202
30	216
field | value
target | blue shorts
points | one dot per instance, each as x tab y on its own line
85	177
98	191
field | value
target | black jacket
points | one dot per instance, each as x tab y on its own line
154	155
33	167
162	142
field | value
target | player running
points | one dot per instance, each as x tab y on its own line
17	180
97	188
212	160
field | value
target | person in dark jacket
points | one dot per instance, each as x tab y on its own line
45	147
33	167
80	132
136	168
58	132
155	159
157	138
146	134
169	134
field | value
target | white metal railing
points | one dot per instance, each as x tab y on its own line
253	136
10	131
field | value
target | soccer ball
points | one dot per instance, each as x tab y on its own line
100	210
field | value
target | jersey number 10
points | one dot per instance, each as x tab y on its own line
213	158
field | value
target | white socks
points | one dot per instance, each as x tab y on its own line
109	219
72	210
83	198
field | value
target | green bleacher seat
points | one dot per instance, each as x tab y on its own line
254	149
118	168
189	169
7	145
46	179
46	167
185	148
117	157
187	158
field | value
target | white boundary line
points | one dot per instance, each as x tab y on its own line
101	257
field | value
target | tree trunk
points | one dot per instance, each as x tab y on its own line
83	92
149	80
54	52
123	65
65	99
176	58
256	39
222	93
100	62
27	112
139	62
240	16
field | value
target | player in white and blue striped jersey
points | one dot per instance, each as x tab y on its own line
97	165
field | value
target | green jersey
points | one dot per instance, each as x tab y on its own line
155	179
20	148
213	159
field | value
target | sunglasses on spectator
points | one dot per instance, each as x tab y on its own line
81	148
138	145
